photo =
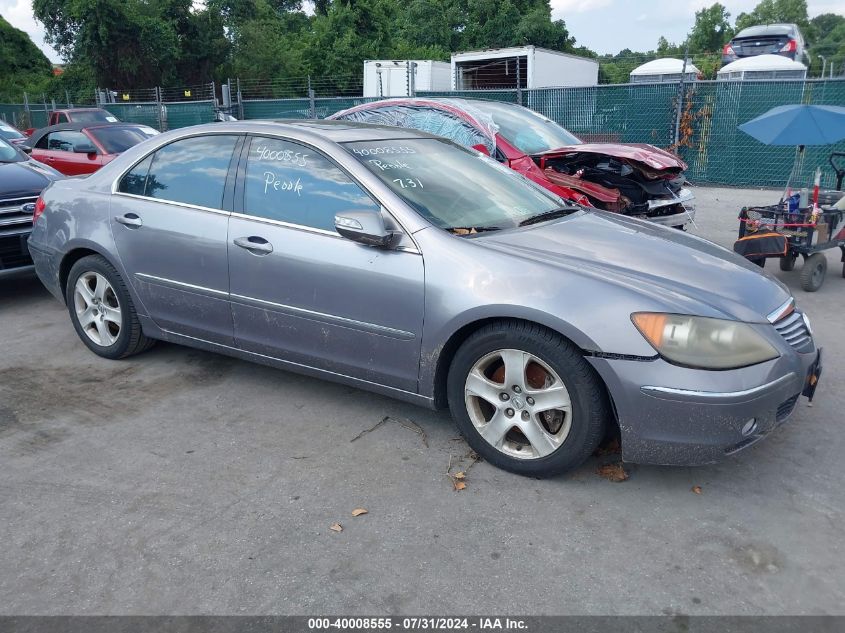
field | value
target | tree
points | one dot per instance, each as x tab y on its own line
711	31
775	11
23	63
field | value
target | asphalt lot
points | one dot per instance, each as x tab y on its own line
182	482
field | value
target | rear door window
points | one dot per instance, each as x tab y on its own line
191	171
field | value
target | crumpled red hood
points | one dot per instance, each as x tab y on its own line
649	155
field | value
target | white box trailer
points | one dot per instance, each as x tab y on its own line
521	67
390	78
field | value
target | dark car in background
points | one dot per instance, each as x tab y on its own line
633	179
766	39
76	149
12	134
21	182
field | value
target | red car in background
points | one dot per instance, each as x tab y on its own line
76	149
634	179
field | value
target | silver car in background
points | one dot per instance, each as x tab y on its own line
398	262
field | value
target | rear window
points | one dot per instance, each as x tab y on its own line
92	116
116	140
9	132
771	29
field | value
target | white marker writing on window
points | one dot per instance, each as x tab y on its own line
270	181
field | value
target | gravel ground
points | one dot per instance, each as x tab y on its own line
182	482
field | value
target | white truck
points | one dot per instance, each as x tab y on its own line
403	77
523	67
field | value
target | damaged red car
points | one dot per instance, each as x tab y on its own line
633	179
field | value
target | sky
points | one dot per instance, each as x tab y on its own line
605	26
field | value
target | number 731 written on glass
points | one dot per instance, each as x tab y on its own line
409	183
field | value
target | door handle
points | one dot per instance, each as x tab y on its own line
254	244
130	220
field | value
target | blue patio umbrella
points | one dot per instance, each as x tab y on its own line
798	125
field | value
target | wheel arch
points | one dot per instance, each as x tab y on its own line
73	255
453	343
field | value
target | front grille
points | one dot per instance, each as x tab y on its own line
13	252
16	215
786	408
793	329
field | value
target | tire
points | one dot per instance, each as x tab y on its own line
813	272
787	262
555	373
104	316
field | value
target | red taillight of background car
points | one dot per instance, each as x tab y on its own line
727	49
40	205
790	47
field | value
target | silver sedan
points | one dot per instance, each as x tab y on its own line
398	262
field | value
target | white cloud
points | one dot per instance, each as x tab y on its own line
577	6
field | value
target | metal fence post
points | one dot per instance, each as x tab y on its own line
680	106
162	121
240	101
518	82
412	89
67	99
312	106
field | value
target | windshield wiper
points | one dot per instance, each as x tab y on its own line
549	215
471	230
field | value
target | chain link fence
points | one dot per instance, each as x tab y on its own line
698	120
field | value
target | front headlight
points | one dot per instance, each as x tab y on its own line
703	342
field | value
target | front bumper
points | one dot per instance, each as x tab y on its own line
685	201
671	415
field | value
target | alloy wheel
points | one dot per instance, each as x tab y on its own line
518	404
97	308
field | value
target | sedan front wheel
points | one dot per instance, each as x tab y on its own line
526	400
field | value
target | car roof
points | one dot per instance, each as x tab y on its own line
78	127
335	131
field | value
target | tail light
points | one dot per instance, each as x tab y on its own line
790	47
727	49
40	205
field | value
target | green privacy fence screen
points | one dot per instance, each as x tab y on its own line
716	151
708	138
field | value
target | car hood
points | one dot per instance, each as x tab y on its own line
680	272
25	178
649	155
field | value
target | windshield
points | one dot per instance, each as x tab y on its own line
454	188
526	130
9	132
92	116
116	140
9	154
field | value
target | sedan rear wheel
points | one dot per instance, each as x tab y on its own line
526	400
102	311
97	308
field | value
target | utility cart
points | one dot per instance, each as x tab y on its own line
773	232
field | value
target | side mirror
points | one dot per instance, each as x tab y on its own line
366	227
26	149
84	148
